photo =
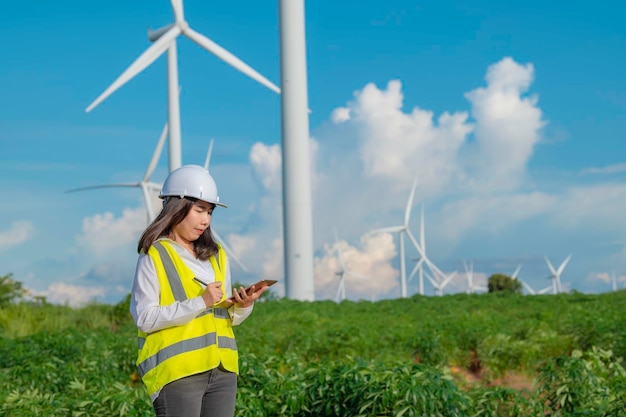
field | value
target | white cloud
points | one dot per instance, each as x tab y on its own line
607	170
607	278
600	205
395	145
72	295
507	125
373	274
340	115
104	235
272	264
490	214
20	232
266	164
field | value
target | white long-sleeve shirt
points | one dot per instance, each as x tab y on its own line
149	316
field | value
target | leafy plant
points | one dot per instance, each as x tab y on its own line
10	290
504	283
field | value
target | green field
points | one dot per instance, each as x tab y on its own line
456	355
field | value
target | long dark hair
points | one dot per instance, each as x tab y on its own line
174	211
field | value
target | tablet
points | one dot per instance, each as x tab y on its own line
257	285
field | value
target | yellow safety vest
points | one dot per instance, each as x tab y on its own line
202	344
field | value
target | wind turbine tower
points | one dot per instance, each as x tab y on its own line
613	281
341	287
297	212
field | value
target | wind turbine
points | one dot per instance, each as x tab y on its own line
469	274
343	271
556	274
401	230
165	39
147	187
436	273
423	259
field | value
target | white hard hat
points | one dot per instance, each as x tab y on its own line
191	181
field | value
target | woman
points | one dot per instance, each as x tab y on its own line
187	352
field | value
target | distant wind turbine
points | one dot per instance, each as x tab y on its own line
148	188
343	271
401	230
165	39
436	273
556	274
469	274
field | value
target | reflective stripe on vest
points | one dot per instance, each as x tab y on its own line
198	346
221	313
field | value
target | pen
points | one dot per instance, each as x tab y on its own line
200	281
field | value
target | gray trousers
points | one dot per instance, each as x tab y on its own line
209	394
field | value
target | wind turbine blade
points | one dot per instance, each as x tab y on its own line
434	268
229	250
516	272
177	6
148	201
552	270
563	265
409	204
207	161
156	155
93	187
415	244
415	269
545	290
448	279
145	59
430	278
229	58
392	229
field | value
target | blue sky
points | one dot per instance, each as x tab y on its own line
512	117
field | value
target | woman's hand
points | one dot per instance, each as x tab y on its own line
243	300
212	294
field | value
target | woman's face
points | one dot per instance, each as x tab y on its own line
195	223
